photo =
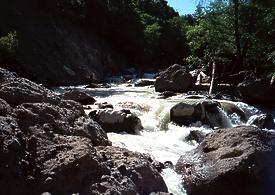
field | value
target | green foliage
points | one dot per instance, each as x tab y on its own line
194	62
8	44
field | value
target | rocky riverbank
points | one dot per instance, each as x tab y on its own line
48	144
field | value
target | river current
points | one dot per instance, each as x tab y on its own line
163	140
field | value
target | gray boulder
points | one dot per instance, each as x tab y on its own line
117	121
176	78
230	161
143	83
206	111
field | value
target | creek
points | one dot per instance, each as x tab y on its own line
160	138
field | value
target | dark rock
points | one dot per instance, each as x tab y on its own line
117	121
257	92
143	83
16	91
176	78
264	121
105	105
11	155
230	161
78	96
190	111
144	178
5	108
195	135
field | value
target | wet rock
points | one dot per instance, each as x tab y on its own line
264	121
231	108
117	121
176	78
257	92
78	96
166	94
195	135
5	108
190	111
143	83
230	161
144	178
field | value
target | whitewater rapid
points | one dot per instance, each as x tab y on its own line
163	140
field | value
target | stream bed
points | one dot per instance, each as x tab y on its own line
160	138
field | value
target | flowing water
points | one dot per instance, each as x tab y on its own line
160	138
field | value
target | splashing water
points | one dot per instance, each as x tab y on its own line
160	138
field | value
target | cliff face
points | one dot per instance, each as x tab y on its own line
55	50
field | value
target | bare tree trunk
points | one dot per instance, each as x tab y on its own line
237	34
212	79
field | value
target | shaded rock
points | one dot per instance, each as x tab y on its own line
190	111
117	121
143	83
263	121
176	78
230	161
195	135
11	155
105	105
257	92
144	178
78	96
5	108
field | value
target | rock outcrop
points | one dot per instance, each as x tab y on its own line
230	161
176	78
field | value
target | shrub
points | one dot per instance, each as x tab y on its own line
9	43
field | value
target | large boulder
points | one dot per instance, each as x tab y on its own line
191	111
230	161
78	96
117	121
257	92
176	78
133	173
